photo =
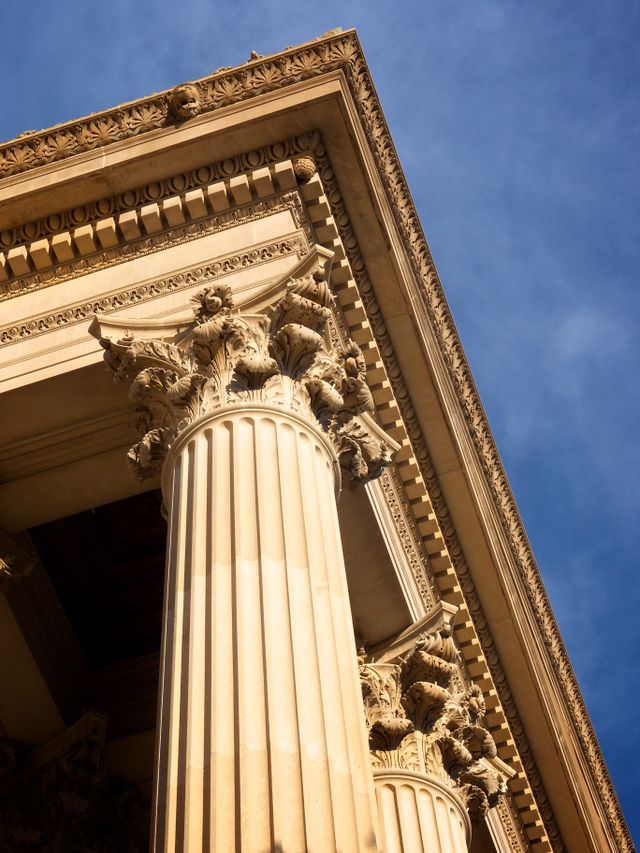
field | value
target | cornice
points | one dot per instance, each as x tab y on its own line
224	87
342	52
442	322
451	561
150	218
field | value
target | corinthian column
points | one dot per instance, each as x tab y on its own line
431	755
252	420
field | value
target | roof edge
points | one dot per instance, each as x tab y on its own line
48	144
457	365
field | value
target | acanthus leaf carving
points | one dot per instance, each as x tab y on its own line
128	356
282	357
362	456
145	458
418	721
247	349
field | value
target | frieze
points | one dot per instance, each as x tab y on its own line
296	246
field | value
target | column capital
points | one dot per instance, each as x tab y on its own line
421	717
282	356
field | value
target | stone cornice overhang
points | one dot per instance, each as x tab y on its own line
326	85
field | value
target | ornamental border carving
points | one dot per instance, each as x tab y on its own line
417	558
263	75
150	290
508	813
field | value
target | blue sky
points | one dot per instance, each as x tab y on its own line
518	125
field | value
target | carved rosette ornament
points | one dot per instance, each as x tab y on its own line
418	721
281	357
304	168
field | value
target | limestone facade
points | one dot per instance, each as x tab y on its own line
356	649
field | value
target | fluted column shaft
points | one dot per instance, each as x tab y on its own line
261	737
418	814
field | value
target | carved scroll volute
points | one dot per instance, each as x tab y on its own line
280	357
418	720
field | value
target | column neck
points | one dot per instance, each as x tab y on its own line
249	408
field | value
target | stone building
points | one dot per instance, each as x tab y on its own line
381	672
